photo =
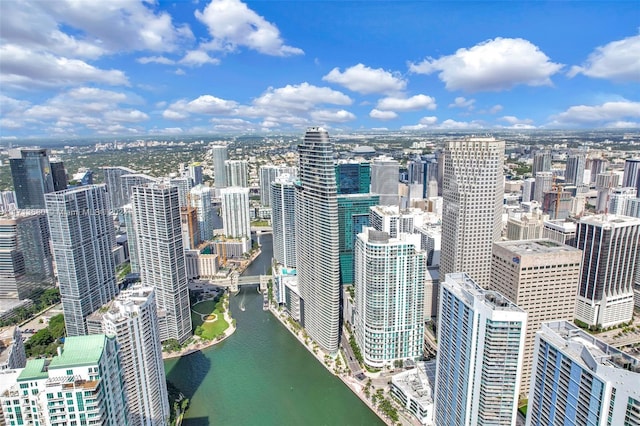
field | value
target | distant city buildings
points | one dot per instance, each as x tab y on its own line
12	353
631	177
481	337
317	240
156	215
472	211
578	379
82	237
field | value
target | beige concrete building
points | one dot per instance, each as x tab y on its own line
541	277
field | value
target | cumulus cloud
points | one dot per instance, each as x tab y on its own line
205	104
493	65
300	97
362	79
517	123
413	103
232	24
196	58
462	102
328	116
382	115
424	123
603	115
156	60
618	61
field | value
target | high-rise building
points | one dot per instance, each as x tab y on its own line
605	183
31	174
541	162
560	231
219	154
268	175
12	353
127	182
633	207
393	219
83	384
237	173
596	167
389	275
353	216
113	180
82	237
541	277
528	189
236	219
195	174
190	229
472	211
317	240
385	172
631	177
132	239
59	175
574	173
611	257
353	177
133	320
201	197
544	184
25	254
184	185
480	345
156	214
619	199
283	220
580	380
525	226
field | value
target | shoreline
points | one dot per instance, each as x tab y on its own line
351	382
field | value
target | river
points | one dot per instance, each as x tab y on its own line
262	375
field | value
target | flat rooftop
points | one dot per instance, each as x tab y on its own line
539	246
80	350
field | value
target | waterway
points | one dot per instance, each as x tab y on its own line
262	375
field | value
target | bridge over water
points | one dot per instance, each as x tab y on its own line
234	282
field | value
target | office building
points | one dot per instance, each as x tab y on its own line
611	257
605	183
633	207
236	216
190	229
541	162
560	231
541	277
480	345
317	240
394	220
631	177
58	174
195	174
156	215
219	155
31	174
184	185
26	262
201	197
528	189
12	353
557	204
82	177
619	199
237	173
472	211
596	166
525	226
132	239
385	172
423	171
353	216
133	320
353	177
389	275
113	181
82	385
82	237
283	219
127	183
574	172
580	380
268	175
544	184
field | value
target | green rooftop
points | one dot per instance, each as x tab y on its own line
34	370
80	350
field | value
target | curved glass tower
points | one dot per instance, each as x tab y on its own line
318	264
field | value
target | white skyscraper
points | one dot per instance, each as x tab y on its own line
317	240
82	237
389	276
201	198
283	219
237	173
578	379
156	214
268	175
236	220
544	183
611	256
133	320
385	173
472	206
219	154
480	346
112	178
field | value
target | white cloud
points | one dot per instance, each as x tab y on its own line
382	115
623	125
461	102
156	60
197	58
128	116
407	104
618	61
232	24
602	115
510	119
328	116
424	123
362	79
453	124
429	120
205	104
493	65
495	109
301	97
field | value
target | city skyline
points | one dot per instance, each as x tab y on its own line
176	69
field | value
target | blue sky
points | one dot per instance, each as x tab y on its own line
131	67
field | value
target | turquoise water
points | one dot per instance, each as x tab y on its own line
263	376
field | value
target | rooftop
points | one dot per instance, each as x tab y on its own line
34	370
80	350
540	246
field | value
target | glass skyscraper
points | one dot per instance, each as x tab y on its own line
32	178
317	237
283	219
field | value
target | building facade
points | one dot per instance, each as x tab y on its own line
472	206
317	240
236	215
237	173
32	178
201	197
479	364
113	181
283	219
219	155
385	172
82	238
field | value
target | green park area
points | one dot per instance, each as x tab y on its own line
208	318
